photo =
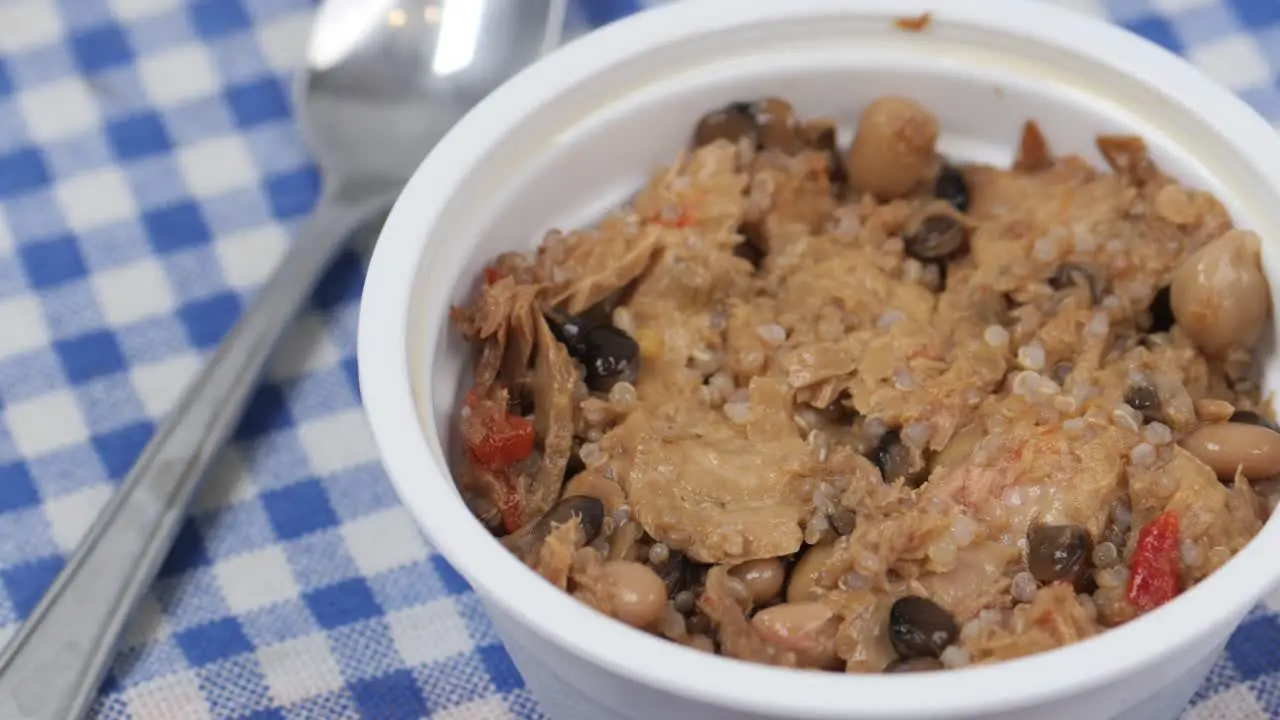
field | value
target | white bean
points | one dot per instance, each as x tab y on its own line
1219	296
893	149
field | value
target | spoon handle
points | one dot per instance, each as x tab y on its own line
52	668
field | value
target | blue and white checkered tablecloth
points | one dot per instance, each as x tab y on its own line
150	176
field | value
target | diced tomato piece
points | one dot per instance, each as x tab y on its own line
491	276
1156	565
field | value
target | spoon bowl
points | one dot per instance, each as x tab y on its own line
386	79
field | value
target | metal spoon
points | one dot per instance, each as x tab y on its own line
385	80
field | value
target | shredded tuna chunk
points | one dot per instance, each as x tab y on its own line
555	555
1054	618
555	379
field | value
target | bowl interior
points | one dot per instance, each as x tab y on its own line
593	162
550	152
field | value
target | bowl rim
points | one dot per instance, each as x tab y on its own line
427	489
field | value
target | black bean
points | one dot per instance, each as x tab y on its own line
1161	312
752	246
568	329
950	185
938	237
732	122
1069	275
919	627
589	511
893	457
1058	552
1250	417
911	665
610	356
1144	398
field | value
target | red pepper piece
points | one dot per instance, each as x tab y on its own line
491	276
1154	569
507	439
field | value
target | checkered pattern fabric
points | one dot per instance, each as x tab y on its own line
150	177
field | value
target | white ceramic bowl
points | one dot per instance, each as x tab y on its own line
580	131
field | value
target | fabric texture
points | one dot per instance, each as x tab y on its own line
150	177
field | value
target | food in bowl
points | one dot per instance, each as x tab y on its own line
869	409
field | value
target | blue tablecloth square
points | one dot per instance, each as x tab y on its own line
117	449
502	673
54	261
25	582
1254	14
267	411
101	47
19	488
139	135
22	170
257	102
188	552
88	356
393	697
299	509
175	227
291	194
217	640
1158	30
215	18
343	603
209	319
1253	648
342	284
